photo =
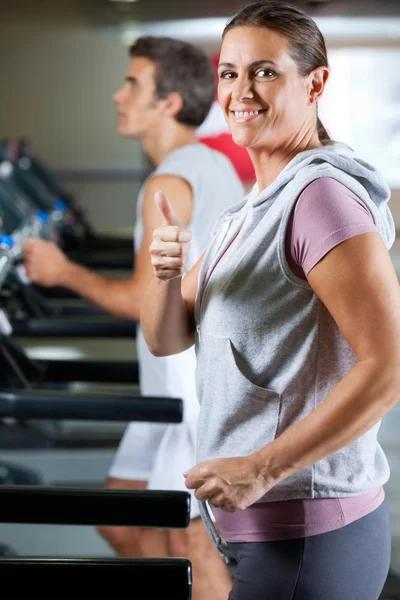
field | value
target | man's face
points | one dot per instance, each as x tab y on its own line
139	110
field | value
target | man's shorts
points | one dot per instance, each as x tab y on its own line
158	453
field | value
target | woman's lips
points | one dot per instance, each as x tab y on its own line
246	116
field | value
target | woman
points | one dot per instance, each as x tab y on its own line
294	311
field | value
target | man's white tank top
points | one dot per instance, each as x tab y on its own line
215	186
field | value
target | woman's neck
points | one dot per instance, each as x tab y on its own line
269	162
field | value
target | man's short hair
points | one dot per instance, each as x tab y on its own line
181	68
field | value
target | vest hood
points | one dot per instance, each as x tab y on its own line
340	161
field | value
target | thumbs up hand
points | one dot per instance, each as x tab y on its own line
170	243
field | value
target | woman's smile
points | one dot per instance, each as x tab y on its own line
245	116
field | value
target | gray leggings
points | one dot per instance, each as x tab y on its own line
350	563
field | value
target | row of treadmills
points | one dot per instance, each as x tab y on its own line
34	392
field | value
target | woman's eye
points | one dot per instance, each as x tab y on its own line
227	75
265	73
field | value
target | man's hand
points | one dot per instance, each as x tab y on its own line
45	263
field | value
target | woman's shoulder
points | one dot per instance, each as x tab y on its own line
328	193
326	185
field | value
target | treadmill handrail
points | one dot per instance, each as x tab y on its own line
74	327
92	370
165	578
94	506
50	404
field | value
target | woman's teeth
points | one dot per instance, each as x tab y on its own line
241	115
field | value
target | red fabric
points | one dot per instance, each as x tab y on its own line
239	156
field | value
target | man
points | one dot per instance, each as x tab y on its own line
168	91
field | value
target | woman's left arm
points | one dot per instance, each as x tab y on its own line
358	284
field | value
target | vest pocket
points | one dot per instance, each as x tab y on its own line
257	391
237	417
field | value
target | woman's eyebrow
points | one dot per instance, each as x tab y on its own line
256	63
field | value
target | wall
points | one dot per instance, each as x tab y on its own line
58	77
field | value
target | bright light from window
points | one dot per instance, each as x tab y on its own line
337	28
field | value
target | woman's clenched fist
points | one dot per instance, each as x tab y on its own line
170	244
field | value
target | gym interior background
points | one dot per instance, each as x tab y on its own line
62	60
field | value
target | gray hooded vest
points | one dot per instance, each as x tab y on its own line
268	351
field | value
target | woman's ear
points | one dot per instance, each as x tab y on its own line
317	82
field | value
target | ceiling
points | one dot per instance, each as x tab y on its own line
201	20
109	13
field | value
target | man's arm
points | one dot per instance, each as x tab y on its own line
48	266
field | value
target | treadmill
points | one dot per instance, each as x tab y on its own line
31	310
92	240
72	236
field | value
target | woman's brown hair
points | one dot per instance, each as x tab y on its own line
306	42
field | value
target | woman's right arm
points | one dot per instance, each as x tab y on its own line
167	312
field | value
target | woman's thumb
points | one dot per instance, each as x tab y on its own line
167	212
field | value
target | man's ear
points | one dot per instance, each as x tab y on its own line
173	104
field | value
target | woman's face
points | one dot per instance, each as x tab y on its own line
265	101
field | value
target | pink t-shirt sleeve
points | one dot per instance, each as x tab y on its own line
325	214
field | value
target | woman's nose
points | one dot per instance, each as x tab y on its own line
242	89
